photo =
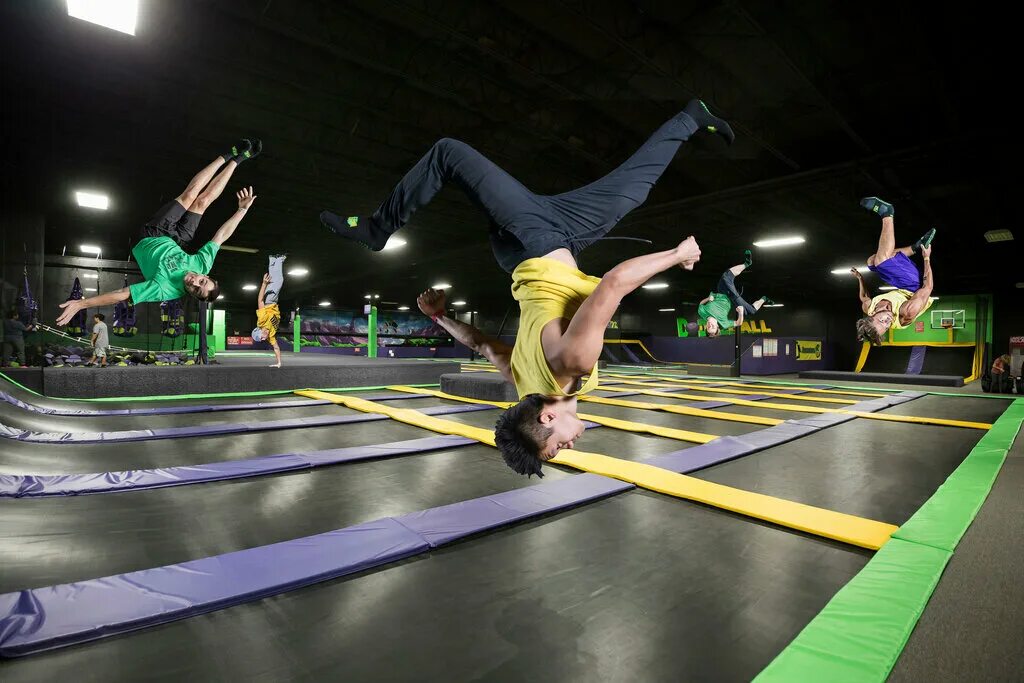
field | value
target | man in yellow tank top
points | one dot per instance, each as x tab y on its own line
911	297
536	238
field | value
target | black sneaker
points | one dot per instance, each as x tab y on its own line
876	205
925	241
767	301
748	258
354	228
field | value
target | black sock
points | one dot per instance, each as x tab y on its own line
699	112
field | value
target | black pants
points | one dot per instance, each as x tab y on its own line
727	286
173	220
523	224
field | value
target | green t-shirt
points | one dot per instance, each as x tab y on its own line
164	265
718	308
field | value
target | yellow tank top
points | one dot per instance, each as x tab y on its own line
896	298
269	318
546	290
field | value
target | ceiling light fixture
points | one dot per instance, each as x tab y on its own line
119	15
665	310
443	285
92	200
90	249
403	308
656	285
460	302
325	303
779	242
998	236
249	288
394	243
298	272
844	271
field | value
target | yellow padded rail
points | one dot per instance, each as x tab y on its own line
737	392
815	409
857	531
614	423
683	410
747	386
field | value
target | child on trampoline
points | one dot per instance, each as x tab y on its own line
536	238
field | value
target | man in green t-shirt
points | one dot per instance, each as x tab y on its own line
715	308
169	270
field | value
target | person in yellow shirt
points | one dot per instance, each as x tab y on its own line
268	314
912	294
536	238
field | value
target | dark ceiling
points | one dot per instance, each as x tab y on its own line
830	101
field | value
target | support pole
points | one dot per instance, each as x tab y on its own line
739	352
371	339
202	352
297	333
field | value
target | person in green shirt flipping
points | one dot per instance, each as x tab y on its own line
169	270
715	308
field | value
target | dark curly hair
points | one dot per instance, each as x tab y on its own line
866	332
520	436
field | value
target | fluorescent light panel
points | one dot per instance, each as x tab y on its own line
665	310
325	303
249	288
656	285
403	308
779	242
998	236
90	276
394	243
90	249
119	15
773	305
886	288
844	270
92	200
443	285
298	272
460	302
90	289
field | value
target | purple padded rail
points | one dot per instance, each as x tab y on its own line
728	448
41	619
42	485
213	430
47	485
194	408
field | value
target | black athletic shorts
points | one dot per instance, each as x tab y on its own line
174	221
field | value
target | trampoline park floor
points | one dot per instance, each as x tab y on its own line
493	576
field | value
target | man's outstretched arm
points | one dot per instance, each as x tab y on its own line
865	300
917	303
432	303
263	292
108	299
580	346
245	199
